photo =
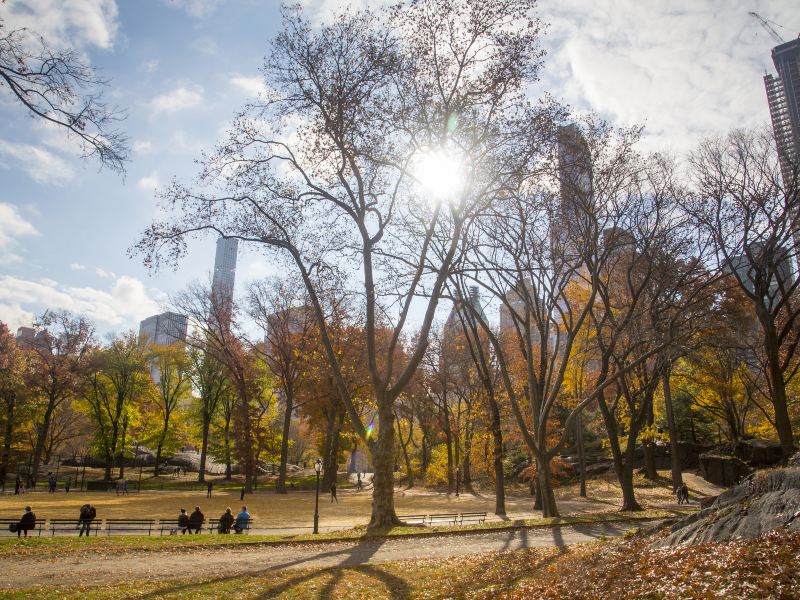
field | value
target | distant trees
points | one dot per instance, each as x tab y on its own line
11	391
752	216
171	366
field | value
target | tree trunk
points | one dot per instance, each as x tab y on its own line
499	477
581	454
545	478
466	462
8	434
201	476
622	468
382	450
649	448
674	457
329	432
122	448
42	430
228	467
280	485
783	424
160	446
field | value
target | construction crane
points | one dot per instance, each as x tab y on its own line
768	25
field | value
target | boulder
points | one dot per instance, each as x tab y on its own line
761	503
756	453
723	470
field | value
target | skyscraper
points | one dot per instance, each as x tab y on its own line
783	96
225	271
575	182
164	329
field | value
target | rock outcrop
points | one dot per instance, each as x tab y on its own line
761	503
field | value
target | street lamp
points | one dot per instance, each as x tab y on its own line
318	469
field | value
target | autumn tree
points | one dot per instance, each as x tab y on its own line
57	355
280	309
208	378
11	392
170	368
326	170
750	212
116	379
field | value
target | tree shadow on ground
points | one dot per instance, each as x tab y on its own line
354	558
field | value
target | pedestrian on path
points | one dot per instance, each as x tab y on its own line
333	493
209	485
241	496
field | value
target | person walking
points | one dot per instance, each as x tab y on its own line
51	483
242	521
209	485
196	520
26	522
67	484
241	496
17	484
225	521
124	487
333	493
87	515
359	485
183	521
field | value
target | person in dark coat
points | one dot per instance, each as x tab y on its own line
226	521
27	522
196	520
183	521
333	493
87	515
209	486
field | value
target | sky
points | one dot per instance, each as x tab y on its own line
182	68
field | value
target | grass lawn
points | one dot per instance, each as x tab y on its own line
620	569
64	546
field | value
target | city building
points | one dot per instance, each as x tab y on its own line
575	191
778	267
783	97
29	337
225	270
164	329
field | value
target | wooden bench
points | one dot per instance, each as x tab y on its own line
413	519
213	526
451	518
127	526
4	523
471	517
72	526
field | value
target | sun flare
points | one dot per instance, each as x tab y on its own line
440	174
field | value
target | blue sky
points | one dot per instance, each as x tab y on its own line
182	68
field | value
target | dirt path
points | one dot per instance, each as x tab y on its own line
75	570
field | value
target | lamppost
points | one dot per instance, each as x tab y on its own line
318	469
457	473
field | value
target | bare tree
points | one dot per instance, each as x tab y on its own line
324	170
59	87
752	215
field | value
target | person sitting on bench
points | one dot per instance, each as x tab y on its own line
225	521
242	521
26	522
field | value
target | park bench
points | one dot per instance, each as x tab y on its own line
72	526
213	526
413	519
4	523
170	526
127	526
451	518
472	517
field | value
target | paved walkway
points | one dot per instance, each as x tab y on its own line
19	573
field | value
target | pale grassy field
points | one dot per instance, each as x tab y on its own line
295	509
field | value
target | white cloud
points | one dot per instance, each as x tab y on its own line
124	304
250	86
180	98
66	23
41	165
149	183
143	147
12	226
102	273
684	68
77	267
15	316
196	8
151	66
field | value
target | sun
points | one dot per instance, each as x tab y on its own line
440	174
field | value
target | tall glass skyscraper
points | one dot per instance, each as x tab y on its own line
225	270
783	95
